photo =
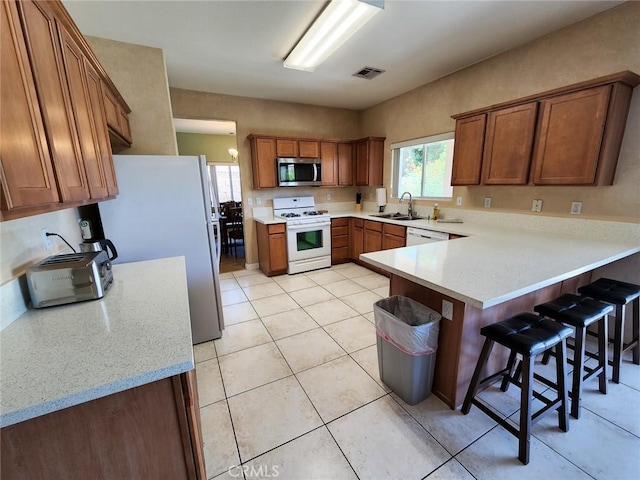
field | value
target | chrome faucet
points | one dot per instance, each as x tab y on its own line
410	207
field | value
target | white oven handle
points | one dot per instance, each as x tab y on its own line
308	226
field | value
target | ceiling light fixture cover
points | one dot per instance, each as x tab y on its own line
335	25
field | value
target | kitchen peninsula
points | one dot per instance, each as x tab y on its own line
105	388
493	273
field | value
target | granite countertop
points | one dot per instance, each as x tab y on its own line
62	356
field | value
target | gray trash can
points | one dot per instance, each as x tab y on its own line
407	337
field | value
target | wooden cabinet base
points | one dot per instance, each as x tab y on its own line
459	339
144	432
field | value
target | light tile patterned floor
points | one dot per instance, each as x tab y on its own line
292	391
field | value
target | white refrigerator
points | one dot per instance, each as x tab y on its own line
164	209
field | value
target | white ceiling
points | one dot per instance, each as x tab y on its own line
211	127
237	47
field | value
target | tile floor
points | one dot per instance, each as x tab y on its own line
292	391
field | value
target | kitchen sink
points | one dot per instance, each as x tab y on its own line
394	216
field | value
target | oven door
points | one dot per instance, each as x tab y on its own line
308	241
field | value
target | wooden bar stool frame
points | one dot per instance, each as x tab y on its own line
526	368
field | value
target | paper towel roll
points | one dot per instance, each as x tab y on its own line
381	196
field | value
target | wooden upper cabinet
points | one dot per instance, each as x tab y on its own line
116	116
26	169
508	145
329	159
467	150
286	148
345	164
263	162
569	141
46	60
83	114
308	149
96	97
369	161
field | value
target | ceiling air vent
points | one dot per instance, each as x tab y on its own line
368	73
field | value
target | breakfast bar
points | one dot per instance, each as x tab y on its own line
488	276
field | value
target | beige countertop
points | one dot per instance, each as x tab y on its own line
58	357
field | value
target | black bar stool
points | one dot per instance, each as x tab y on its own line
528	335
619	294
580	313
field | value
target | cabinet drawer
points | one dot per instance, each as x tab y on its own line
376	226
276	228
339	231
340	241
358	222
340	222
397	230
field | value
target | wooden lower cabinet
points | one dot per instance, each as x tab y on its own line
372	236
393	236
356	228
339	240
150	431
272	248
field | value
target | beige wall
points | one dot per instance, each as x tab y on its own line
140	74
598	46
274	118
215	147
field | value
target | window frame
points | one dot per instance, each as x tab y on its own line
395	158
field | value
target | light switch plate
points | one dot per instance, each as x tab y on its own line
258	200
459	201
249	201
328	196
447	309
487	202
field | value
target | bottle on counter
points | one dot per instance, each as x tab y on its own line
436	212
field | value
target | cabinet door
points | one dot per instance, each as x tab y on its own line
508	145
278	251
328	156
372	236
263	156
571	129
345	164
362	163
51	84
467	150
392	241
357	239
100	122
78	89
308	149
286	148
25	164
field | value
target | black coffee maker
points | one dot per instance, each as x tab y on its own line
91	244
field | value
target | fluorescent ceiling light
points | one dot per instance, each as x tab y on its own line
335	25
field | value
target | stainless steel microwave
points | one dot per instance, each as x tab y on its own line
299	172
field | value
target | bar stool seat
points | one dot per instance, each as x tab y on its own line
580	313
619	294
528	335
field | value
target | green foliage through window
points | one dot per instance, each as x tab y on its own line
424	168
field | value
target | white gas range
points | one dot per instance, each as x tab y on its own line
308	233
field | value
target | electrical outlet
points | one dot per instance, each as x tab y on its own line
576	208
536	206
328	196
459	201
487	202
46	241
258	200
249	201
447	310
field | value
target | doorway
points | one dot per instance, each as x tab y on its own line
216	139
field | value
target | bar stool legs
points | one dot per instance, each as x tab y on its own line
618	338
